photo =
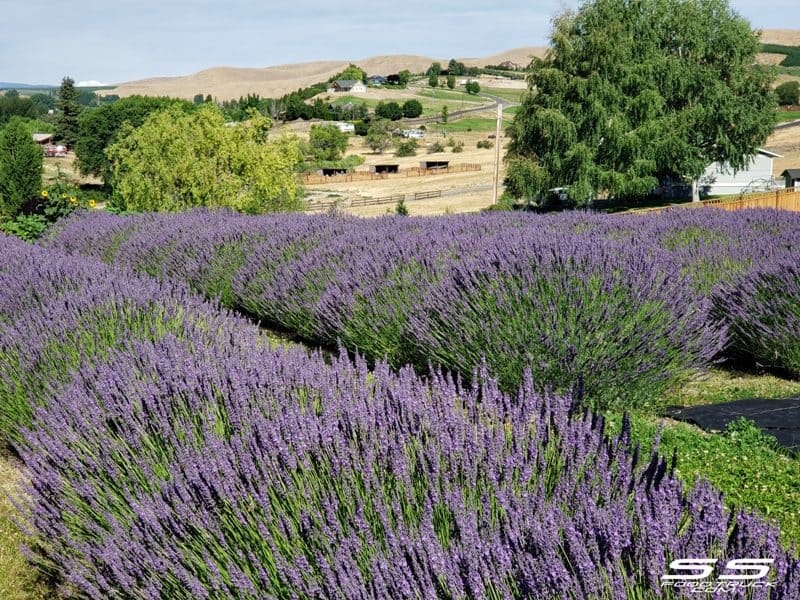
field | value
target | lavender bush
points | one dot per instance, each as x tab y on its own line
762	308
271	474
59	312
572	309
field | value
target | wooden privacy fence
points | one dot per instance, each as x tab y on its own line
781	199
786	199
314	179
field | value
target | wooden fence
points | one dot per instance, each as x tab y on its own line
314	179
787	199
781	199
373	201
420	172
431	194
327	204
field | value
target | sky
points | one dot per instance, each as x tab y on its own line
113	41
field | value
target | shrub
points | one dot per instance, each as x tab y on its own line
762	311
412	108
59	313
21	162
458	146
435	147
577	312
485	144
407	148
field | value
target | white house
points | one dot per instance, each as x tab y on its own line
347	85
719	179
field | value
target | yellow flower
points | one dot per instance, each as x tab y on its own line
63	195
73	200
92	203
44	193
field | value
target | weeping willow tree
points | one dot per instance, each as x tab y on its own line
635	91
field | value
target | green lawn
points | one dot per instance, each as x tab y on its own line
788	115
741	462
450	95
511	110
467	124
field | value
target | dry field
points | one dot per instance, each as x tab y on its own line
461	192
787	143
784	37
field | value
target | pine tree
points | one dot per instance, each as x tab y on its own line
69	110
20	167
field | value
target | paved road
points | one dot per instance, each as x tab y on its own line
788	125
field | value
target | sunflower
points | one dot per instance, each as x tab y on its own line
92	203
44	193
73	200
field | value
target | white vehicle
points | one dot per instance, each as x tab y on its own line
415	134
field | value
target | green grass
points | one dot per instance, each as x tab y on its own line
468	124
450	95
19	580
511	110
788	115
371	103
724	385
505	93
741	462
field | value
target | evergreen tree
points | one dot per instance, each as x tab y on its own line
634	91
20	168
69	111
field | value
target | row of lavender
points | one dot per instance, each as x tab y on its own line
173	454
626	305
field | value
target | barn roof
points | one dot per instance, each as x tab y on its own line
791	173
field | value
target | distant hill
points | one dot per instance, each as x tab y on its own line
225	83
5	85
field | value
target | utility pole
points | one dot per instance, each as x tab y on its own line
497	151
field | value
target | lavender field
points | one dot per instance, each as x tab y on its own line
625	306
452	448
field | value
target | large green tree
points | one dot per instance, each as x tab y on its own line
68	113
99	128
633	91
20	167
327	142
177	160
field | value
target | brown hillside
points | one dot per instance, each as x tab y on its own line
225	83
785	37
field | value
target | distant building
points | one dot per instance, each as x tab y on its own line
434	164
385	168
347	85
510	65
791	178
719	179
377	80
346	127
42	138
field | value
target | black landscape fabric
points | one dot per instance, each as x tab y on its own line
779	418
